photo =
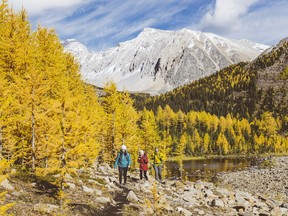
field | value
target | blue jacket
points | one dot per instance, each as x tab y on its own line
124	161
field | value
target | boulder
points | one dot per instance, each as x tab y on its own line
102	200
284	211
263	213
6	185
218	203
208	193
104	178
33	184
276	211
168	208
223	192
92	191
105	169
71	185
45	208
183	211
68	177
188	197
131	197
199	211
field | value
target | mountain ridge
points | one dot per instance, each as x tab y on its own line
157	61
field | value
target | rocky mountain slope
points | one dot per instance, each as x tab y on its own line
157	61
244	89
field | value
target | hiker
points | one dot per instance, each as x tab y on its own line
143	161
157	164
123	161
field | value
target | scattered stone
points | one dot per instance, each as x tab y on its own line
13	171
246	214
16	193
102	200
92	191
168	208
217	203
71	185
199	211
208	193
183	211
46	208
68	177
131	197
263	213
6	185
188	197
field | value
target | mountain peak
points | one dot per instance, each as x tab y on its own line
157	61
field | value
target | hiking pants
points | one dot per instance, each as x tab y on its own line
158	172
122	171
145	174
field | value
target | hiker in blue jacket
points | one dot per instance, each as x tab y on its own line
123	161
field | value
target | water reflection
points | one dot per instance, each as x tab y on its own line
206	169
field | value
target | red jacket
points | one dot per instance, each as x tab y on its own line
143	160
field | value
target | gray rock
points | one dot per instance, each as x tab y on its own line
188	197
131	197
109	188
88	190
199	211
223	192
13	171
168	208
242	202
16	193
71	185
218	203
68	177
263	213
106	169
208	193
284	211
45	208
92	191
105	178
102	200
6	185
246	214
276	211
183	211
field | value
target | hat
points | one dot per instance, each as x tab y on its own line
141	152
123	147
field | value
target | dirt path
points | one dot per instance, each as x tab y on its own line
120	199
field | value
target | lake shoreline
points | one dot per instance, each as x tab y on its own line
270	182
186	158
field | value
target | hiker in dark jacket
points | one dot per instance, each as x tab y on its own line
123	161
143	161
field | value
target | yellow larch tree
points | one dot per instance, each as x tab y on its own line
4	167
149	131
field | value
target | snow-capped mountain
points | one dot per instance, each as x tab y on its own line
157	61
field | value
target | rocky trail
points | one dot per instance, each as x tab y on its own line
95	191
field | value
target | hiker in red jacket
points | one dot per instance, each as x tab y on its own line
143	160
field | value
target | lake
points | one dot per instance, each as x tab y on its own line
206	169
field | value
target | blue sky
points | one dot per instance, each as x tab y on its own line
101	24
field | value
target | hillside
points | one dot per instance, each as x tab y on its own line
244	89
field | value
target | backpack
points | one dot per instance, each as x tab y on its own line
120	157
